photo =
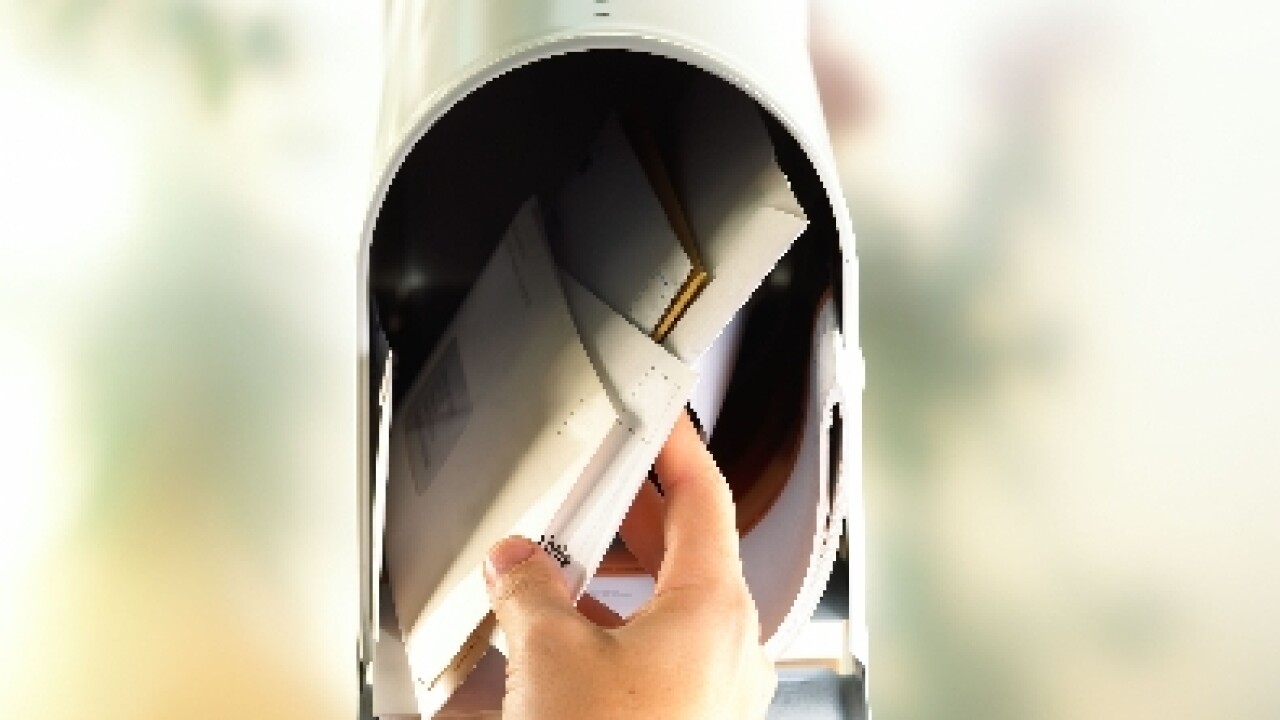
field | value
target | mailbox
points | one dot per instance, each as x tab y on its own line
486	103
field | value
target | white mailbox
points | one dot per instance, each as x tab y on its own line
488	102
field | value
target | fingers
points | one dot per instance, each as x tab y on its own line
527	592
642	529
701	533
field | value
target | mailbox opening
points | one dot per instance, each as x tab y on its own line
518	135
521	134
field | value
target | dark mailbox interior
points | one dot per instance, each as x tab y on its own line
521	134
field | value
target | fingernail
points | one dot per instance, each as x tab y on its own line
505	555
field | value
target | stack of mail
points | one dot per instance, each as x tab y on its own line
545	402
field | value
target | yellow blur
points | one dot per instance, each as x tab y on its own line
181	194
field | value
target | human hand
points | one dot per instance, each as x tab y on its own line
692	652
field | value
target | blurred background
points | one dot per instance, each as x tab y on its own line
1067	229
177	525
1068	243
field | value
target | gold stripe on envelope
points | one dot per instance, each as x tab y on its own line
646	147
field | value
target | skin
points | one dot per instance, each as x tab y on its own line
692	652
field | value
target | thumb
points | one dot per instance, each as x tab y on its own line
527	591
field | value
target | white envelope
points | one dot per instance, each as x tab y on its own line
491	438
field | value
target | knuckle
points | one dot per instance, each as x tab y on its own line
737	601
734	610
539	626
